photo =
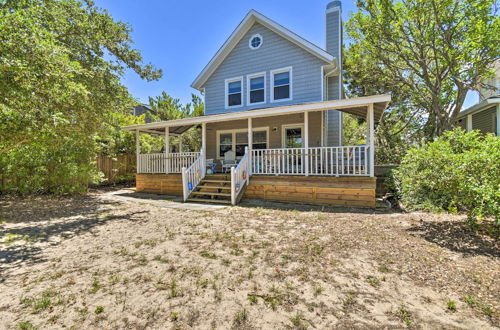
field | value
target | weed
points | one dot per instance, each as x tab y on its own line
375	282
241	317
114	279
26	325
99	309
451	305
404	315
322	217
141	260
209	255
174	290
204	283
147	242
383	269
161	259
253	299
10	238
96	286
488	311
470	300
297	321
318	289
174	316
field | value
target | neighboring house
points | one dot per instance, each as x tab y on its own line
485	115
141	109
273	122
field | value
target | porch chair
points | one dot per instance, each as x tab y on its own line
228	161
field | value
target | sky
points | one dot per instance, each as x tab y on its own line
181	37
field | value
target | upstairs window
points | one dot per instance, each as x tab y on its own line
281	89
234	89
255	41
256	88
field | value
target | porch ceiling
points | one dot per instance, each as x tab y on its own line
355	106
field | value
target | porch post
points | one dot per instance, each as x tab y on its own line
137	151
250	144
469	123
167	150
371	123
306	141
498	119
204	139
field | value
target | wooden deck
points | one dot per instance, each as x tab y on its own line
342	191
163	184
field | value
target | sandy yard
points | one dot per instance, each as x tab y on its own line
96	262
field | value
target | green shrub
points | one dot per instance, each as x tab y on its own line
459	172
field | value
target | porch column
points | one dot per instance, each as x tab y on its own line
371	125
137	151
498	119
250	144
167	149
306	142
469	123
204	139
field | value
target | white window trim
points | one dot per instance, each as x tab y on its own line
250	41
283	134
233	132
256	75
226	94
273	72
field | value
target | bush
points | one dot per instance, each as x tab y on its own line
459	172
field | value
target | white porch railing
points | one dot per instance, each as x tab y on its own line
165	163
240	176
192	175
332	161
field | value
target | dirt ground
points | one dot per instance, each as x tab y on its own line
95	262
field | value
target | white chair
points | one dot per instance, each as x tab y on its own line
229	161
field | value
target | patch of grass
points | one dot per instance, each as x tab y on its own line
252	299
209	255
488	311
161	259
203	283
26	325
241	317
298	321
99	309
147	242
318	289
226	262
11	238
375	282
383	269
470	300
43	302
174	290
404	315
96	286
174	316
3	221
451	305
141	260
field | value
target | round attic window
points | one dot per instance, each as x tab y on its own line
255	41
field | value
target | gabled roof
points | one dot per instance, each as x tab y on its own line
252	17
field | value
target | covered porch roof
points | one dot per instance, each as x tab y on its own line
356	106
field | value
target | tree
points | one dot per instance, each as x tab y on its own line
430	52
165	107
61	62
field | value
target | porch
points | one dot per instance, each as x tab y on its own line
275	142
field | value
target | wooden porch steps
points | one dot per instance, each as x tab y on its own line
214	188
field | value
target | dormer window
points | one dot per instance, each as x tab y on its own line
256	88
281	85
255	41
234	90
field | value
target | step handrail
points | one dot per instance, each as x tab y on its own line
193	175
240	176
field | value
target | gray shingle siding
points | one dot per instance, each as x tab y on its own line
276	52
485	120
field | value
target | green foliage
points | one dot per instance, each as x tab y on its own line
458	172
354	130
427	53
61	62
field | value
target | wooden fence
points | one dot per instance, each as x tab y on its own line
117	169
